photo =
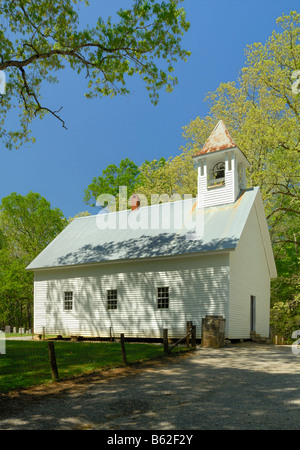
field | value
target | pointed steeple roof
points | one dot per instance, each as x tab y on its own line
219	139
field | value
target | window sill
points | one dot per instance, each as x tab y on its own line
213	186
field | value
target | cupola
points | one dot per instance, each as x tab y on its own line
221	169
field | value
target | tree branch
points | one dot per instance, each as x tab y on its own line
39	107
288	210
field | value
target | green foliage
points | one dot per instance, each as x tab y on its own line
81	214
168	179
27	363
126	174
38	38
285	307
16	291
27	225
261	111
155	181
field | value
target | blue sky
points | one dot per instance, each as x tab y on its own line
62	163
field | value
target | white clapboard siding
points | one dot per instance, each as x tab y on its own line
249	275
197	286
217	195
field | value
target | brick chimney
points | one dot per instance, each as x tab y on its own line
135	202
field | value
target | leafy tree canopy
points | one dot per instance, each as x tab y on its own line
16	291
155	181
41	37
261	111
168	180
28	224
113	177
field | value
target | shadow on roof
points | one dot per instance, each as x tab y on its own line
165	244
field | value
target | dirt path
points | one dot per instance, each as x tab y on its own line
245	386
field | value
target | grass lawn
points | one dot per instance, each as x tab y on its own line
26	363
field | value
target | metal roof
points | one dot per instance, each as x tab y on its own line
220	140
166	229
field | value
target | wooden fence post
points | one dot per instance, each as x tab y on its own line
166	341
194	336
123	348
189	325
52	359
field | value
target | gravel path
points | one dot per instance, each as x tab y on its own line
241	387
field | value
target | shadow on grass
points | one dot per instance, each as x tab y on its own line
26	363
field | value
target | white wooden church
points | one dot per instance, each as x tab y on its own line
142	270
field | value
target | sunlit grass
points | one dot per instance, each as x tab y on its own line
26	363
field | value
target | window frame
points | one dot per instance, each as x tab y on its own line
111	299
163	297
68	301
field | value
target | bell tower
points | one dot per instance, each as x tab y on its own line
221	169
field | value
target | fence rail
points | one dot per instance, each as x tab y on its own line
30	362
189	337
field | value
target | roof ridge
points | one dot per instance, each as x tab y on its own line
140	207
